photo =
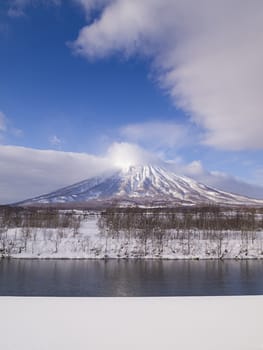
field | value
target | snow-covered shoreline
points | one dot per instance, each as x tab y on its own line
203	323
90	243
87	237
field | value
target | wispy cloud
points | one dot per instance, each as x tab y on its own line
217	179
16	11
17	7
90	5
6	128
209	57
157	135
17	132
55	141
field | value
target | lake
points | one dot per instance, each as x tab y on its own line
26	277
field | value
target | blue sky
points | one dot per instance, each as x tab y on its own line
76	78
47	90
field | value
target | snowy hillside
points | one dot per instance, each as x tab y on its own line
144	185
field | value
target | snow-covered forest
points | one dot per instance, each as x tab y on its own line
204	232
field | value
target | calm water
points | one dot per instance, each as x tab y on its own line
129	278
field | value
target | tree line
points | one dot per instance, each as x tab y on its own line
204	218
12	217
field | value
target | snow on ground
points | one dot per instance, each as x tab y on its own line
183	323
90	243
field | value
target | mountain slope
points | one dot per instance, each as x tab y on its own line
143	184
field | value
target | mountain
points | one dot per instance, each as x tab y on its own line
142	185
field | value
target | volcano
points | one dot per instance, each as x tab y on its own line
141	185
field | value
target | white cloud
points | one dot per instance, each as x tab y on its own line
230	183
208	55
124	154
27	172
90	5
55	141
219	180
157	134
15	12
16	7
6	128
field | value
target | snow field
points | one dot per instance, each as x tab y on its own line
185	323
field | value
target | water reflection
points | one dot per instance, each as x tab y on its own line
130	278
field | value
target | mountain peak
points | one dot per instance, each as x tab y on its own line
144	184
139	167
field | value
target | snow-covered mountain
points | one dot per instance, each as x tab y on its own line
144	185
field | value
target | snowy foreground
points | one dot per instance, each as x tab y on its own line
89	241
184	323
